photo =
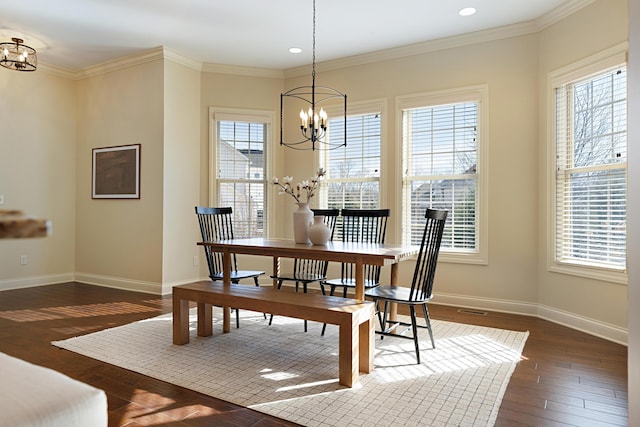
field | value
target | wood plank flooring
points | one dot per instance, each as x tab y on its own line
565	378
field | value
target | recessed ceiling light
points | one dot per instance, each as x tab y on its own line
295	50
467	11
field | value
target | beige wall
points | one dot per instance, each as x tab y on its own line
146	244
38	174
181	174
509	68
119	242
238	92
593	29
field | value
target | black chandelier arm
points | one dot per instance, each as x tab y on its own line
312	130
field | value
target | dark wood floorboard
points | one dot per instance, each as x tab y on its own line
565	377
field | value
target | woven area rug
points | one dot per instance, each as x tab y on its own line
283	371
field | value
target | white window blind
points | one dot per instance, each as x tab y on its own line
353	172
440	155
240	176
591	162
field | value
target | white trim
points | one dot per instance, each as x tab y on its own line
119	283
420	48
32	281
122	63
477	93
593	327
590	272
238	70
587	325
584	324
594	64
249	115
359	108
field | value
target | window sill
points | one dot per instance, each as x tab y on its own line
463	258
603	274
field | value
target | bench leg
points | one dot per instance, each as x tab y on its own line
180	320
226	319
367	345
205	320
348	354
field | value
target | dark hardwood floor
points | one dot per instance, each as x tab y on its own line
565	377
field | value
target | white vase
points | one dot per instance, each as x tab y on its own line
302	219
319	233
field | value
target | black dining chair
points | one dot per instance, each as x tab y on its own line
421	290
362	226
217	224
306	271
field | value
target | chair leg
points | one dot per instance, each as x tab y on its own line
271	316
333	288
384	319
304	290
414	327
428	322
379	314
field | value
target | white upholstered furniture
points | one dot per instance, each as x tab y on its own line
34	396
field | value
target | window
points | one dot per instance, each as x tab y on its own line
238	174
590	171
353	172
442	160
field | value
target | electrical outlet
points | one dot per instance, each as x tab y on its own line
1	199
24	260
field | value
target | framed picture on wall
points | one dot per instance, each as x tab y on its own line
116	172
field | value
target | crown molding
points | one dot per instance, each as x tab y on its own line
420	48
238	70
492	34
122	63
566	9
57	71
174	56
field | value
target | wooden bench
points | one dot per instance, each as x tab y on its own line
354	318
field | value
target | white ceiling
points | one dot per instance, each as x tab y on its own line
76	34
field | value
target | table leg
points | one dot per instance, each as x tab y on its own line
276	271
180	320
359	279
393	309
226	280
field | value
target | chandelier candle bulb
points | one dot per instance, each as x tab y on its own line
313	124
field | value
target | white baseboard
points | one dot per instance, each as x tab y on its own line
129	284
119	283
590	326
29	282
584	324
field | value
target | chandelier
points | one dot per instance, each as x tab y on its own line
313	122
17	56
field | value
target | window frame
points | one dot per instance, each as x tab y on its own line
217	114
479	94
580	70
377	106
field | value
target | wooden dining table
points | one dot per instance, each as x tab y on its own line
359	254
